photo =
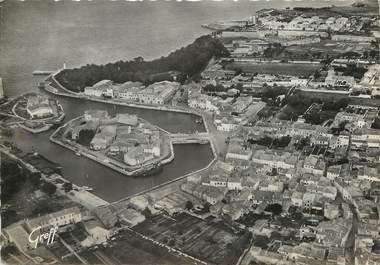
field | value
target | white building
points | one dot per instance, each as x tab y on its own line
158	93
96	234
369	173
236	151
38	106
102	88
234	184
60	218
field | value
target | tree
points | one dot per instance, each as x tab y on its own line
189	205
138	59
171	242
239	86
305	141
9	249
317	74
352	70
188	61
275	208
49	188
376	124
85	137
206	207
67	186
12	179
238	71
282	141
374	53
35	178
146	212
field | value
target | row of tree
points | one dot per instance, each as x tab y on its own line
13	177
187	61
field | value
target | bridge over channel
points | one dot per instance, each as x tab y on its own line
183	138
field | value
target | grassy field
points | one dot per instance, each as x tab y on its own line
209	241
276	68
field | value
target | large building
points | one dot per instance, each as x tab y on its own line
103	137
64	217
102	88
158	93
129	90
38	106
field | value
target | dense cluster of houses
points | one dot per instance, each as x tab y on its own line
313	23
136	140
229	113
328	186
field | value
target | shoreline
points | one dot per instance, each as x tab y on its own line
45	128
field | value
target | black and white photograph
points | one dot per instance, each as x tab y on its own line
190	132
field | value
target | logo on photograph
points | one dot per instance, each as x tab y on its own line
37	237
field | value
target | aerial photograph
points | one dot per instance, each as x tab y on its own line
199	132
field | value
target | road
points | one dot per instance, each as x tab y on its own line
350	244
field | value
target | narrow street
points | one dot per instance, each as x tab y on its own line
350	244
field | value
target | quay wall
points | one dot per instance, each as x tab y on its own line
107	164
38	130
167	183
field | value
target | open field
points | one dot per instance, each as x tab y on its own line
275	68
336	96
333	48
210	240
130	248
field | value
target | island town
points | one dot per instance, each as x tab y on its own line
289	100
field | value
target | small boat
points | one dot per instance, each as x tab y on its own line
199	121
78	153
86	188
